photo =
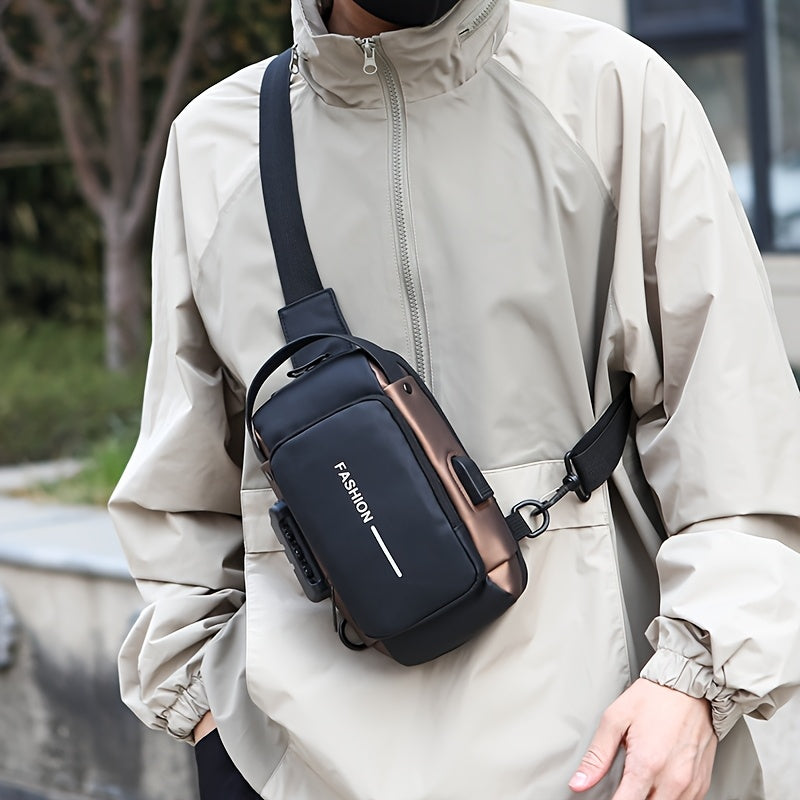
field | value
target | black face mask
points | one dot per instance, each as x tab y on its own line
408	13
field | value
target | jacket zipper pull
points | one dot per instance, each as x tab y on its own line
368	46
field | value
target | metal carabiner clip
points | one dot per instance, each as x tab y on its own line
571	483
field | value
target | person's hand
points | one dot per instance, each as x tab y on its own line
669	741
204	727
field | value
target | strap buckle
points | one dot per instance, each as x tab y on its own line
301	370
571	483
574	479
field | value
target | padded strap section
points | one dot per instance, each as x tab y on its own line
598	452
317	313
296	267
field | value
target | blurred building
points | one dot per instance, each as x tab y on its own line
742	59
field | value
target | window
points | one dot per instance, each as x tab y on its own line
655	19
742	59
719	78
783	71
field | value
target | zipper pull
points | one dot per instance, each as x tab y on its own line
368	46
294	65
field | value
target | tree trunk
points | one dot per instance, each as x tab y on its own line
123	301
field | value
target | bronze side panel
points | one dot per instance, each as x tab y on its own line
508	576
485	522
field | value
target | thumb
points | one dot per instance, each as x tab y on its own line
600	756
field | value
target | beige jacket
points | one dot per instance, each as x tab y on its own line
518	198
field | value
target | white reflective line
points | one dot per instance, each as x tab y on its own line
386	552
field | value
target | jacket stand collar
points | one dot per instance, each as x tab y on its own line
429	61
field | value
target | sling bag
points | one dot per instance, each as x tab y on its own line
379	506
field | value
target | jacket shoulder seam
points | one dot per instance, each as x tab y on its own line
573	143
247	178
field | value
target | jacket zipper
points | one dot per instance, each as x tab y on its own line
473	24
376	62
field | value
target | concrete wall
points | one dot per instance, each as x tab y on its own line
65	732
66	603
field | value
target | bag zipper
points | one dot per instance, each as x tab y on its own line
475	22
376	62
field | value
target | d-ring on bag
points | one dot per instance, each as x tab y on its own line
380	508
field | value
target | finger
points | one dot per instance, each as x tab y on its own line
601	753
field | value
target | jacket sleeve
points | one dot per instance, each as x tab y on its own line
719	412
177	509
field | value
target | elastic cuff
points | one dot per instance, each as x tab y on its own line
190	706
675	671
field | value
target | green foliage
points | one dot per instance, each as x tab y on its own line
41	209
49	241
33	286
56	398
245	32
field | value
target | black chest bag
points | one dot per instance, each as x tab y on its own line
379	506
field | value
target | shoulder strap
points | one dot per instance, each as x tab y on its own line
287	228
596	455
309	308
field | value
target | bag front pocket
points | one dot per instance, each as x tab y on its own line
380	525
